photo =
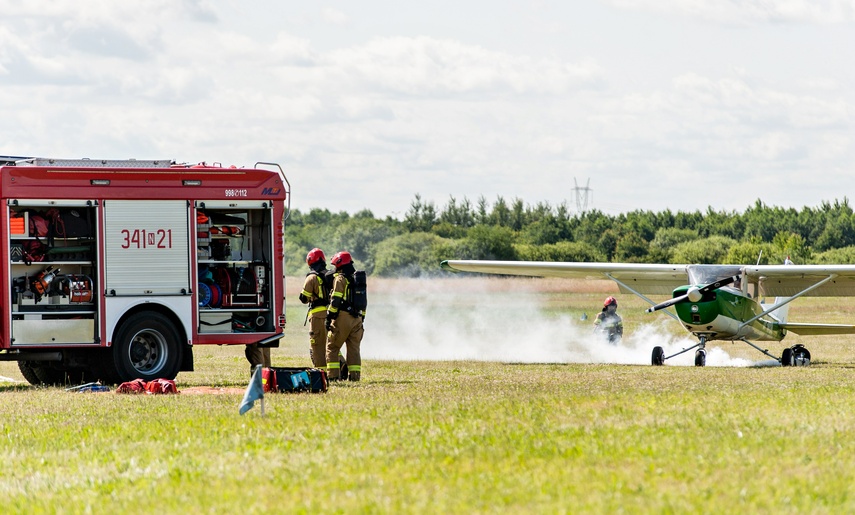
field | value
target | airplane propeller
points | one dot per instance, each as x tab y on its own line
694	294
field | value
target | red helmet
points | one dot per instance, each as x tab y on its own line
314	256
341	259
610	301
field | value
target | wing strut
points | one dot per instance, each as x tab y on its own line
764	351
794	297
645	299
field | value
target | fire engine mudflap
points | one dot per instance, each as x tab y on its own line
127	265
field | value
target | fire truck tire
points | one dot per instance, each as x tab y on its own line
105	368
29	372
51	376
147	346
41	374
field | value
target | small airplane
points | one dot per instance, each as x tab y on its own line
713	302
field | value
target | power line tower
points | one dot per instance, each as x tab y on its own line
583	195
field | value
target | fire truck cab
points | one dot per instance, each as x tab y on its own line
116	269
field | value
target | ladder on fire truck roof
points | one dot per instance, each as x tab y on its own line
107	163
10	160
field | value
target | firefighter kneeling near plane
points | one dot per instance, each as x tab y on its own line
345	314
608	322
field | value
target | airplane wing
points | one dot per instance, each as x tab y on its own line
649	279
818	329
661	279
789	280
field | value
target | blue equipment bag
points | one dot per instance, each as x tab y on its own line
300	380
291	379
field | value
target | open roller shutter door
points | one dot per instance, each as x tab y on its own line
146	245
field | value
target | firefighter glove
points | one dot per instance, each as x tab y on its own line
329	324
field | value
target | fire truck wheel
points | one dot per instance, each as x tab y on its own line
105	368
51	376
41	374
147	346
29	372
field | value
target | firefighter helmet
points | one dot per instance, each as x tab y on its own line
609	302
341	259
314	256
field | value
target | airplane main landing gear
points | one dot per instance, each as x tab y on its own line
801	356
787	357
658	357
795	356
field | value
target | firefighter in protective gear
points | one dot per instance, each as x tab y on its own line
608	322
315	294
257	356
343	321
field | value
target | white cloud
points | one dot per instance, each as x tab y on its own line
402	108
334	16
428	66
107	11
290	50
105	41
743	12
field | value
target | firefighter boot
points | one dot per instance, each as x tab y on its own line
353	376
342	366
333	372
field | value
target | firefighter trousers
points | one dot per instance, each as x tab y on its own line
257	356
318	340
346	330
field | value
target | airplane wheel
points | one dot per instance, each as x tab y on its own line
700	358
787	357
801	356
658	357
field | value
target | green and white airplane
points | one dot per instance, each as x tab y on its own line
713	302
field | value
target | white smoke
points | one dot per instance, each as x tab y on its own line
469	319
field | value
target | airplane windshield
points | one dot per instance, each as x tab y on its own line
707	274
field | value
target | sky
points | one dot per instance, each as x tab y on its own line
653	104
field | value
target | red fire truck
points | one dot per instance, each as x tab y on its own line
116	269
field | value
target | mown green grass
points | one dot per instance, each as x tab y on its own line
458	437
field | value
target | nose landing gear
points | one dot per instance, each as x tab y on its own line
700	358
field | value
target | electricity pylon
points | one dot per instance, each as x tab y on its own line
583	195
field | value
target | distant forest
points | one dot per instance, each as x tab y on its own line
514	230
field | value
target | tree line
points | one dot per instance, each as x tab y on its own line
514	230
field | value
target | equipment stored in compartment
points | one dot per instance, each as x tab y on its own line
215	322
42	280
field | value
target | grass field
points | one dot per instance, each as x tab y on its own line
456	436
